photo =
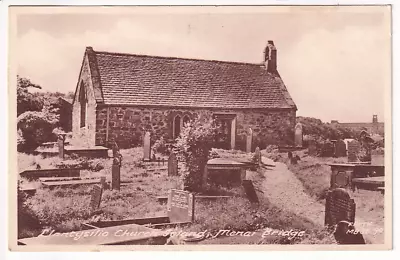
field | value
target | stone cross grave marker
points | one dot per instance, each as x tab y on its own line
116	172
180	206
339	206
250	191
340	148
353	148
146	147
95	199
312	147
172	165
298	135
61	143
257	155
249	140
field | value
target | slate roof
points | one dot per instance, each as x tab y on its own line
127	79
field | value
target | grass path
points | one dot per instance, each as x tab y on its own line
284	190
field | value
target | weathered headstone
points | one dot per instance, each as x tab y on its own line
294	159
115	149
61	143
364	154
180	206
172	165
340	148
250	191
116	172
339	206
95	197
341	178
103	182
353	148
327	150
249	140
146	147
298	135
257	155
312	147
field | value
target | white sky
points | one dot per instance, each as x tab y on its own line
334	61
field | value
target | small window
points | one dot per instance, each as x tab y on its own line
82	101
177	126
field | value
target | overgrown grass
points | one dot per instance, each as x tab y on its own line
65	209
315	172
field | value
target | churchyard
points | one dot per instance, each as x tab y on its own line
226	214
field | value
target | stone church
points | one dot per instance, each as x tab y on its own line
120	96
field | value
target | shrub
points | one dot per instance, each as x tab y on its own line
160	146
35	128
194	145
27	220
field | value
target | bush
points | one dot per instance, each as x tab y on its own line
160	146
194	145
27	220
35	128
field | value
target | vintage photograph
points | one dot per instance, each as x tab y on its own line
200	126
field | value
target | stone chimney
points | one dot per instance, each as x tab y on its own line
270	57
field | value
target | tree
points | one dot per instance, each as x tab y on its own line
194	145
320	131
26	101
35	128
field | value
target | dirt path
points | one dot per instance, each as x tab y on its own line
284	190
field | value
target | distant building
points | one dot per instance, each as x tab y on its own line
373	128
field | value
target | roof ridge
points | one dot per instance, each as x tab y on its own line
176	58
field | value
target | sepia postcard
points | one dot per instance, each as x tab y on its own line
200	127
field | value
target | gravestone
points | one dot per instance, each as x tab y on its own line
172	165
353	148
180	207
116	172
298	135
294	159
146	147
257	155
249	140
103	182
340	148
312	148
61	143
327	150
250	191
95	199
365	147
339	206
115	149
341	178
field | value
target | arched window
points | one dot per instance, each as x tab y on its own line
82	101
177	126
186	119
